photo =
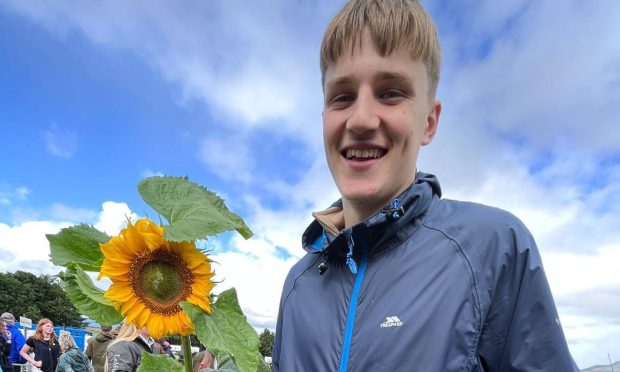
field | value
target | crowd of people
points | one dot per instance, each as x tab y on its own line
112	350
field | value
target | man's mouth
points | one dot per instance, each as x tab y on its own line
363	154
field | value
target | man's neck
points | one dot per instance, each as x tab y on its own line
355	213
358	211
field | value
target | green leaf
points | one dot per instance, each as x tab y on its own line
227	329
78	244
192	211
87	298
159	363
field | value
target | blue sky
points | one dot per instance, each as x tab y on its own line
95	96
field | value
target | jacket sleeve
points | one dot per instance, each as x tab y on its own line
18	343
275	355
62	365
89	349
522	330
6	347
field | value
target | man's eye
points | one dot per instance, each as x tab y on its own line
343	98
392	93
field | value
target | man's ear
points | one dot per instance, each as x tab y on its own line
432	121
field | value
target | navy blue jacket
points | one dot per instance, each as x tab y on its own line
426	284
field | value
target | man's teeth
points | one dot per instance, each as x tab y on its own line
364	154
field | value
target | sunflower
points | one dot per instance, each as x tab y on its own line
151	275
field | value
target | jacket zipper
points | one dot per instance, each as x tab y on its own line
348	333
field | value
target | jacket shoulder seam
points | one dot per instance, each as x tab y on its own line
295	280
474	344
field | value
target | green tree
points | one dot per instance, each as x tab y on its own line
266	340
37	297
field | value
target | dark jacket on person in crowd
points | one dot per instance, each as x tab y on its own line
73	360
125	356
426	284
96	350
5	350
45	351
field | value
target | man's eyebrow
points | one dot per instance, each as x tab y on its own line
393	76
338	82
385	76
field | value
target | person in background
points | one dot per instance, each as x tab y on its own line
167	349
156	347
5	348
97	347
72	358
124	353
204	359
18	341
45	346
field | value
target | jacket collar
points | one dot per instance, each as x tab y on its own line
378	232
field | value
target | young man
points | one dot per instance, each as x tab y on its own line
396	278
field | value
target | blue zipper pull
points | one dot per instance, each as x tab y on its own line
395	211
350	261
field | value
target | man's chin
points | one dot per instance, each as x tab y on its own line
364	198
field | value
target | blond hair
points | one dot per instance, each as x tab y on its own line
128	332
66	341
38	334
392	24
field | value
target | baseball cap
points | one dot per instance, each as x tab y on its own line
7	316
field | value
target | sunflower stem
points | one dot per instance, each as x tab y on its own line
187	353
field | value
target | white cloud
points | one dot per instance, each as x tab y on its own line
22	192
8	194
254	269
27	246
553	86
113	217
60	142
232	55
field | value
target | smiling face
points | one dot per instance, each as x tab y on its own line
377	114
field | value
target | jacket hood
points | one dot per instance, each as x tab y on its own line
327	235
104	337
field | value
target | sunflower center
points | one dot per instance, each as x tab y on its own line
161	279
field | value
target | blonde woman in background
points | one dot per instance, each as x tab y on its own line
72	358
125	352
45	346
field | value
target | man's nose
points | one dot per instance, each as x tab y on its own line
364	116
